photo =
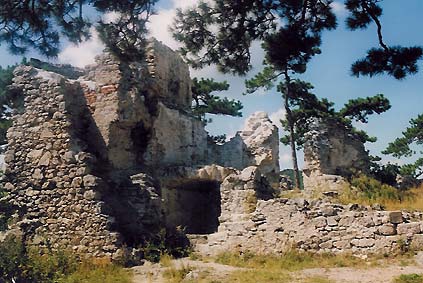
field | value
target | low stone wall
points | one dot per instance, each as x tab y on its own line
278	225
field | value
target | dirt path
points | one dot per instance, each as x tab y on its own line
351	275
153	273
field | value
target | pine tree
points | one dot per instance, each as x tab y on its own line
8	100
40	24
288	47
403	147
207	103
396	61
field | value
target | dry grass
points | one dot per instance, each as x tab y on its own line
250	204
372	192
93	273
318	279
293	261
176	275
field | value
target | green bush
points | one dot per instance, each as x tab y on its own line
409	278
30	265
172	242
6	210
373	190
22	265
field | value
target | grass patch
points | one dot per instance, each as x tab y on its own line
408	278
176	275
33	265
259	275
290	261
92	273
318	279
367	191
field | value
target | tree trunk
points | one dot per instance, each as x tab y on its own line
291	132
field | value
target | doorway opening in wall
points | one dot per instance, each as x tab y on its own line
195	206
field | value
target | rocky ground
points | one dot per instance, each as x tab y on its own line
214	272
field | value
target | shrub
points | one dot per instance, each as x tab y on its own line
6	210
34	265
172	242
373	189
409	278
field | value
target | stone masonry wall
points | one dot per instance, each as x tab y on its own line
49	172
278	225
331	152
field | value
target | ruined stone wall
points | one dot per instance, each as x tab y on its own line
79	151
49	171
331	152
278	225
255	145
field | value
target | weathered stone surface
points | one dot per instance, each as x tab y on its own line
256	145
331	152
387	230
277	225
409	228
395	217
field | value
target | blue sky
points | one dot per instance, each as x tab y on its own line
328	72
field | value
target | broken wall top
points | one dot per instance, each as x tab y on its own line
332	149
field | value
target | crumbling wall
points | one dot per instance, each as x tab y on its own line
49	172
279	225
80	154
255	145
331	152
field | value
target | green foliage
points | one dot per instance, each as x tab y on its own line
174	275
221	33
219	139
16	263
208	103
172	242
408	278
6	210
7	99
402	146
289	261
396	61
88	272
386	173
31	266
373	190
359	109
39	24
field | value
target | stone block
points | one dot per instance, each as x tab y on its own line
395	217
409	228
386	230
417	242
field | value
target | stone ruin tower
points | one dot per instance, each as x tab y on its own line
101	159
331	152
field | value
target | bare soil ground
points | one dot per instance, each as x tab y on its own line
153	273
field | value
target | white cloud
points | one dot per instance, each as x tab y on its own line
82	54
275	117
339	9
